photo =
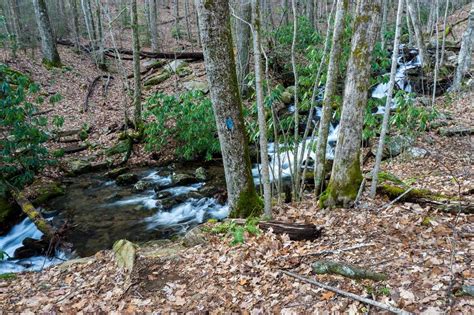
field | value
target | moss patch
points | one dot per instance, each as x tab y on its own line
47	192
249	204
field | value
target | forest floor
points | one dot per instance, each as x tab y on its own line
427	254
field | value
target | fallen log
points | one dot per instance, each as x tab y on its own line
456	131
346	294
296	232
32	213
425	197
330	267
110	52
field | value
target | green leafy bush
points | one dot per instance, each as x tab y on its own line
188	119
22	150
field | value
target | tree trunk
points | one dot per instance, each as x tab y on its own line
296	166
329	94
310	12
153	25
418	31
346	174
75	24
15	19
388	102
262	126
384	22
48	43
242	33
137	94
216	38
465	54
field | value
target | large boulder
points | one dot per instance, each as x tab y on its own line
194	237
175	65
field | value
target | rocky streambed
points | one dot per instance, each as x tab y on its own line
138	205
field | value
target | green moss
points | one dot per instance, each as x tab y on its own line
248	204
51	64
8	276
394	192
119	148
388	177
48	192
342	194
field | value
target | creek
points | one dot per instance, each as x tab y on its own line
99	211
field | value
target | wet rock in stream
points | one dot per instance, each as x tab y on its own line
126	179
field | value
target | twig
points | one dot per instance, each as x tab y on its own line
359	193
337	251
398	198
347	294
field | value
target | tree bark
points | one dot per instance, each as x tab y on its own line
346	174
137	94
388	102
154	25
329	94
262	125
465	54
48	43
216	38
242	43
75	24
418	31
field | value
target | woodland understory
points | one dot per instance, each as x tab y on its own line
411	245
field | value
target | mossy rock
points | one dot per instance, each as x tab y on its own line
125	253
9	214
116	172
393	192
127	179
78	166
155	80
48	192
119	148
286	97
184	71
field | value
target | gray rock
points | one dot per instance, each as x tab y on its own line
79	166
194	237
194	85
415	153
163	194
394	146
201	174
175	65
116	172
126	179
141	186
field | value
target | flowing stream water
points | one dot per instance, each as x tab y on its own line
101	212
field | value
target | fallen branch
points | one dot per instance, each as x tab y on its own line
347	294
335	268
296	232
44	112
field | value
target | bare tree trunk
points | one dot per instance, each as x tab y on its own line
329	94
262	125
154	25
310	12
242	33
443	44
410	30
16	22
216	38
296	169
436	67
465	54
417	27
137	94
346	174
48	42
384	22
388	102
75	24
